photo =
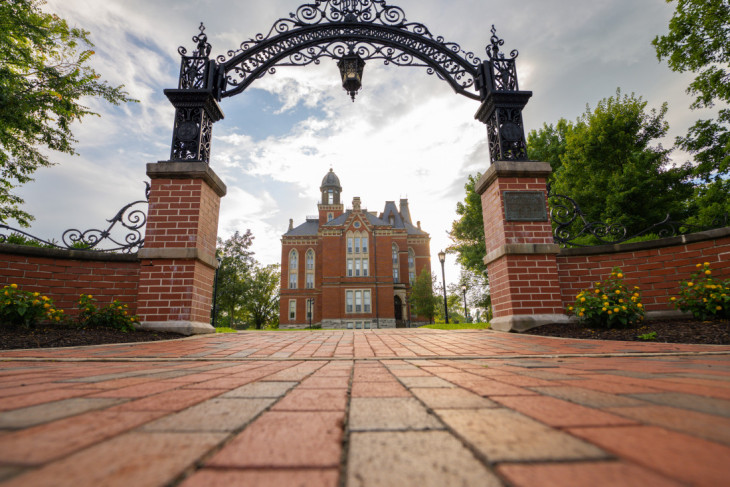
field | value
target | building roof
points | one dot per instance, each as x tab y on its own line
330	180
306	229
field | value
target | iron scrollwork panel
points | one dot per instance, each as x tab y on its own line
571	227
506	135
193	133
130	219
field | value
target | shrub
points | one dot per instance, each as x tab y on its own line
704	296
114	315
609	304
25	308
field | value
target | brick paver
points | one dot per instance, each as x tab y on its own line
380	407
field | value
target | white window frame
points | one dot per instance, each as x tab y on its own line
292	309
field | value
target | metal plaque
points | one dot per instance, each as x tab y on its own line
525	206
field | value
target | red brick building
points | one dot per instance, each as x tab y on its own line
352	268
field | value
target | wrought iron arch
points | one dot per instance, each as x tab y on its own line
332	29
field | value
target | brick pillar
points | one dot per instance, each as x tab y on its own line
521	254
178	258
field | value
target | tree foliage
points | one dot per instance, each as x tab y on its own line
699	41
261	300
467	232
613	167
422	299
44	74
247	292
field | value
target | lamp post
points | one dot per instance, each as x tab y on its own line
214	311
442	259
466	312
351	68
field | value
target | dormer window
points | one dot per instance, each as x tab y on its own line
391	220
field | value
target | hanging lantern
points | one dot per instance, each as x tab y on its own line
351	67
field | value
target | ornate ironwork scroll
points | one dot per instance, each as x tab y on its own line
328	28
503	105
570	224
194	69
131	219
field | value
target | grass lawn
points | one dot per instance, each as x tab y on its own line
224	329
458	326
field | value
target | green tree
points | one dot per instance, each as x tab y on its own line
698	41
614	169
261	299
234	277
44	73
422	299
467	232
548	144
477	291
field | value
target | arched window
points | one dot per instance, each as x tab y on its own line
396	266
411	265
309	284
293	268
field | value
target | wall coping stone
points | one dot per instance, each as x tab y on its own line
187	170
649	245
521	249
92	255
170	253
512	169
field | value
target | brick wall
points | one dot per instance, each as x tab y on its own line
63	275
656	266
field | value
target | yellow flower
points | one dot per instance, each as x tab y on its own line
35	295
90	296
582	300
690	284
640	305
119	307
58	318
672	299
606	303
708	272
604	297
615	310
46	305
603	309
718	308
636	287
598	291
7	293
623	308
36	302
570	309
598	284
580	314
620	300
698	265
707	264
14	286
620	275
582	310
618	291
45	298
609	312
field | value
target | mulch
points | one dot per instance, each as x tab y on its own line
674	331
50	336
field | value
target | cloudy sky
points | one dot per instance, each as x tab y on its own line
408	135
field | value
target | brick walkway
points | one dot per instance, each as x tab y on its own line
373	408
